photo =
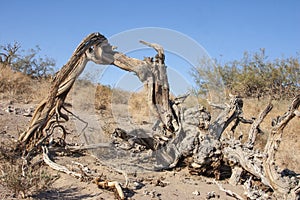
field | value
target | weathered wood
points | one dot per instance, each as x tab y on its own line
255	126
111	185
88	147
230	113
56	166
279	184
152	73
235	176
262	165
61	168
229	192
89	49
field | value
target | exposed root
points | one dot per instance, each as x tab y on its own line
56	166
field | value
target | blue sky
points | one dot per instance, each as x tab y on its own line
225	29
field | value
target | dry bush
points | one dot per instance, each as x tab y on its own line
120	96
13	182
138	107
106	96
103	97
19	87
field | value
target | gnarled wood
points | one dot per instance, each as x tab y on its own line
255	126
152	73
56	166
262	165
278	183
91	48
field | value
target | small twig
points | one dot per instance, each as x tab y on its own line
88	147
217	106
228	192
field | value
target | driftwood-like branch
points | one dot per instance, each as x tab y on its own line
152	73
278	183
88	147
56	166
89	49
263	165
61	168
228	192
233	111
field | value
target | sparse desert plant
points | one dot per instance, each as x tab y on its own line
16	179
103	97
27	62
106	96
13	83
254	75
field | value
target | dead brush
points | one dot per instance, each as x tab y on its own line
19	87
13	84
138	108
18	180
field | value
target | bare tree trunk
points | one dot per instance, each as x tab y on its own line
48	113
152	73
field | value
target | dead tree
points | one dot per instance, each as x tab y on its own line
48	115
151	72
192	135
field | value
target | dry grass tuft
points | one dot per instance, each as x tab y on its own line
138	107
103	97
16	181
19	87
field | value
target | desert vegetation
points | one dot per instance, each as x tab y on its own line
253	76
211	148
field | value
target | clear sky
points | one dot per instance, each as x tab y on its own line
224	28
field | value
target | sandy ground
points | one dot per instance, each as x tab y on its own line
174	184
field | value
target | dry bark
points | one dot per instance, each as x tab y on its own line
255	126
279	183
263	165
